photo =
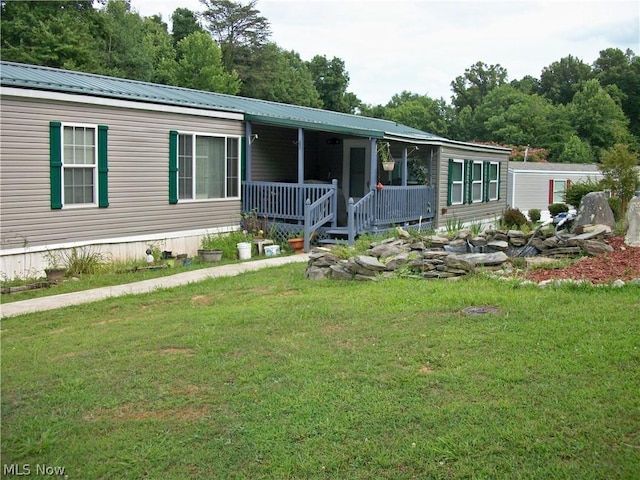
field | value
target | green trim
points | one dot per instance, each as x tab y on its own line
498	165
103	167
173	167
55	164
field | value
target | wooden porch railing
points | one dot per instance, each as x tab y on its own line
398	205
282	201
315	205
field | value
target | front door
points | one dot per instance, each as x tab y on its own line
356	169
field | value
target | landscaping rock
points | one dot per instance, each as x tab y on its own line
632	238
594	209
458	257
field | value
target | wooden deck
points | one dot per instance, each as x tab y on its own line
313	208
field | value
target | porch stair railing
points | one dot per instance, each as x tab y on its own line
319	213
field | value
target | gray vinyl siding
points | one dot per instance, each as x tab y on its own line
275	154
474	212
138	153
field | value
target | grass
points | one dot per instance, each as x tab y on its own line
109	275
269	376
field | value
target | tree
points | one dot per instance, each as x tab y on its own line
281	76
509	116
597	118
200	66
125	54
418	111
618	166
51	33
561	80
235	26
477	81
576	151
160	46
331	81
622	70
184	23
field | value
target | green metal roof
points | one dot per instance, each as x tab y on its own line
261	111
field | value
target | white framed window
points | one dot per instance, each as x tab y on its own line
79	165
476	182
208	166
456	181
558	189
493	175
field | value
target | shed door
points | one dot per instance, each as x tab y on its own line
356	169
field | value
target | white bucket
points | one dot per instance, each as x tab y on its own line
244	250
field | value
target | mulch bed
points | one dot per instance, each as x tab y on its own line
623	263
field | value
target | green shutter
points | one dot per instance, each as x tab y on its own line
487	179
450	182
55	164
467	177
103	167
173	167
498	174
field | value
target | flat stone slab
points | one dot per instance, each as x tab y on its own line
496	258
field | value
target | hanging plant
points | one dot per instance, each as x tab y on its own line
384	151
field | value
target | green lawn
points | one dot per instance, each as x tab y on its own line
268	375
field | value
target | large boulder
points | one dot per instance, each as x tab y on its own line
633	220
594	210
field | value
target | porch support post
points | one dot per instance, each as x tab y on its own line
247	142
300	156
373	181
405	164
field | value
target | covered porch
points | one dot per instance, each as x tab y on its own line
341	189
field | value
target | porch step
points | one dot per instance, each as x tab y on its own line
332	241
337	231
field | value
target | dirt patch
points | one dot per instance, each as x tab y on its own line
202	300
480	310
622	263
427	369
131	413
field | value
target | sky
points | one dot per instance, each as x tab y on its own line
421	46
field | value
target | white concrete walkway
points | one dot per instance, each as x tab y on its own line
145	286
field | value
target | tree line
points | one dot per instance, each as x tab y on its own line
574	112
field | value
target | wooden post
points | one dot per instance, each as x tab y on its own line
351	233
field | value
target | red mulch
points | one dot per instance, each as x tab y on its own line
623	263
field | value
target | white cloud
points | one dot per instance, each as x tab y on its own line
422	46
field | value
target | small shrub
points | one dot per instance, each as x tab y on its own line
557	208
576	191
616	206
79	261
454	224
226	242
513	217
534	215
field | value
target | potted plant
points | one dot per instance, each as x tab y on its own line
384	149
296	241
210	248
56	270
